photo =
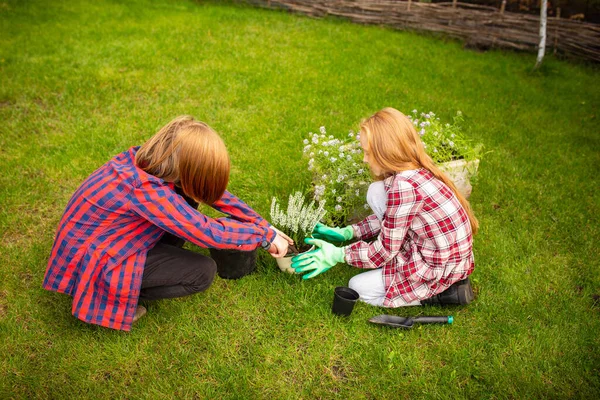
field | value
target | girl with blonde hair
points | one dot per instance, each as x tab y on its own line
120	238
423	226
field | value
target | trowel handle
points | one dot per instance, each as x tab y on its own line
447	319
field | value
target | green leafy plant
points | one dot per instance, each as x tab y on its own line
444	141
299	218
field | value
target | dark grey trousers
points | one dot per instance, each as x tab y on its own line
172	271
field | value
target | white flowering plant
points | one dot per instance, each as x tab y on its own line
340	178
444	141
298	220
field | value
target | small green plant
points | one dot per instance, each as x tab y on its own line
444	141
298	220
339	175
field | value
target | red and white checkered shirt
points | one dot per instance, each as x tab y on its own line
424	242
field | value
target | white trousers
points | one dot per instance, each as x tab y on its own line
370	285
371	288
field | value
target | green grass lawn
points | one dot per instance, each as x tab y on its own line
83	80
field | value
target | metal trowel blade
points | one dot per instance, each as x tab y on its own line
392	321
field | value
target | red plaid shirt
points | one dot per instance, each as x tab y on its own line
424	242
115	217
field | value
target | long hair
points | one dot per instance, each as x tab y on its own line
190	154
395	146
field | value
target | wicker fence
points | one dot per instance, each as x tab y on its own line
479	26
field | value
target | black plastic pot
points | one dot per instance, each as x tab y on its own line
234	264
344	299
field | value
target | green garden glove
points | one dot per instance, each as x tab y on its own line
333	234
318	260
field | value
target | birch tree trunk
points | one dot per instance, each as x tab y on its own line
543	20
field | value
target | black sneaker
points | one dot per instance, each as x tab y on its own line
460	292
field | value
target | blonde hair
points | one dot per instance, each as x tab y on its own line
394	146
190	154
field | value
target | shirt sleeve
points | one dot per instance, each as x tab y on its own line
164	208
403	204
367	228
233	206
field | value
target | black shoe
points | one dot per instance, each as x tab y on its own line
460	292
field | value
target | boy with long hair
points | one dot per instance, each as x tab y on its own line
120	238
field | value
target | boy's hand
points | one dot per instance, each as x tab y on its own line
283	235
279	246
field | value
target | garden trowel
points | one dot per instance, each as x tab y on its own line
408	322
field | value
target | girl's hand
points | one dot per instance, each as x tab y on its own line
333	234
279	246
283	235
318	260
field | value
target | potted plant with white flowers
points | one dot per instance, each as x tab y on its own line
448	146
297	221
339	176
